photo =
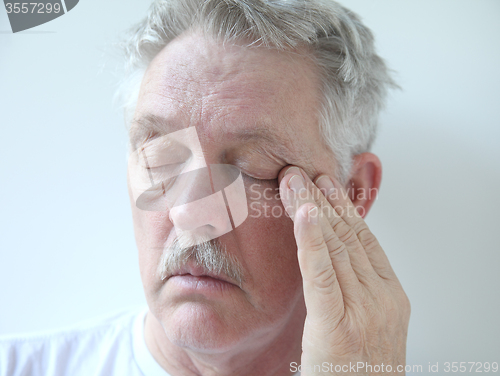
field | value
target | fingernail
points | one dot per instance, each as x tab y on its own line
296	183
294	170
313	215
325	184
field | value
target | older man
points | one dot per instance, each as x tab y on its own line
249	177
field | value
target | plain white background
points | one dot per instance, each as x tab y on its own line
67	250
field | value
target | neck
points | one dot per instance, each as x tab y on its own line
267	354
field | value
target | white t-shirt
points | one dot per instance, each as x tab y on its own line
113	346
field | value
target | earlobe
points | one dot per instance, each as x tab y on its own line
364	183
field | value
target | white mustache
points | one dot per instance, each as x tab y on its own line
210	254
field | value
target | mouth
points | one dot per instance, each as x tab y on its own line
200	276
187	285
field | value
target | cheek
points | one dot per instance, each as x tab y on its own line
152	229
270	253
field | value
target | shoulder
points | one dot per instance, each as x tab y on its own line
104	342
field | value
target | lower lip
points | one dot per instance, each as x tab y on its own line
200	284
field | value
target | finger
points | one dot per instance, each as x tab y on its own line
340	201
334	223
359	259
322	292
295	194
291	169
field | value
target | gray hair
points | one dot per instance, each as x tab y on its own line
209	254
355	79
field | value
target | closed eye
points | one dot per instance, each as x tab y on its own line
165	172
163	151
258	180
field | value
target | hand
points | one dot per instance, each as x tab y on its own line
357	310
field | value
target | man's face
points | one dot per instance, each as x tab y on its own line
256	109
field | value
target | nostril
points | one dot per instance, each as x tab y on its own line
208	214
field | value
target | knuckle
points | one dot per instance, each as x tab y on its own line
337	249
360	226
324	280
316	243
397	308
366	236
336	223
331	240
349	236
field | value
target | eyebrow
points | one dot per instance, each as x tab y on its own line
277	142
149	124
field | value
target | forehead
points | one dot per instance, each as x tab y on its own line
229	90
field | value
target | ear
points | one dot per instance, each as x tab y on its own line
363	186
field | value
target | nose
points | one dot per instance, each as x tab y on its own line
198	211
211	202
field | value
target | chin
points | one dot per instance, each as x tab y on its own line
201	327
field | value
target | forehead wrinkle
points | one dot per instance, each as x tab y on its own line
236	81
